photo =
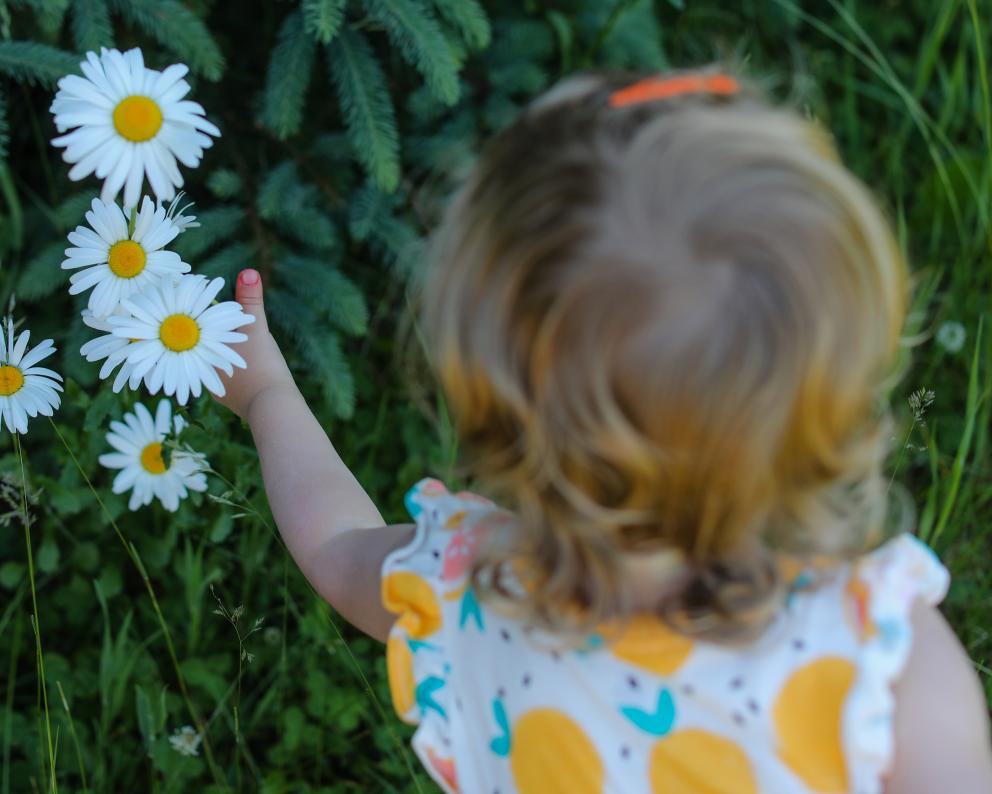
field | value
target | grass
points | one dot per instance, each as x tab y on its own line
124	629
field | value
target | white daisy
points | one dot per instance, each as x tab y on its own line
26	389
174	212
116	260
179	339
129	122
138	441
108	347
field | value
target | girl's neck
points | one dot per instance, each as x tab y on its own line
652	577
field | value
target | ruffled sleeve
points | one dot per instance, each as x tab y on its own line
419	582
884	587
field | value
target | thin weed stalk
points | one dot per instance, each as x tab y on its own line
132	552
248	509
75	738
15	649
35	622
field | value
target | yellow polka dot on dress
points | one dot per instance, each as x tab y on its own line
399	669
551	754
693	761
807	716
412	598
646	642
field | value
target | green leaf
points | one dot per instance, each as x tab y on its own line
319	348
177	29
48	557
28	62
91	25
288	77
11	573
469	18
366	105
72	211
323	18
42	275
413	29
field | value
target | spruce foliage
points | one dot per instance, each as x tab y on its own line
323	18
288	77
367	106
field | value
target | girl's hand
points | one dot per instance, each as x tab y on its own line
266	365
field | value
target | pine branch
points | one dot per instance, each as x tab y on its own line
177	29
48	13
366	105
288	78
91	25
400	245
329	291
368	208
226	262
318	347
28	62
294	207
4	128
224	183
413	29
217	224
41	276
468	18
323	18
274	189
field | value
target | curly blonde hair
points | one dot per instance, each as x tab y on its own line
666	326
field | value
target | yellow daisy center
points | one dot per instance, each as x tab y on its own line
126	259
151	459
11	380
137	118
179	332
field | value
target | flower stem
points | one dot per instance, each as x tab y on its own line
132	552
35	622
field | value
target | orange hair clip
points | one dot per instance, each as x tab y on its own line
653	88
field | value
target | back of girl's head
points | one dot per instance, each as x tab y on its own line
666	325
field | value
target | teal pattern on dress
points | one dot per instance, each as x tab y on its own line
657	723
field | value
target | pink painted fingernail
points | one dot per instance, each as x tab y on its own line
249	277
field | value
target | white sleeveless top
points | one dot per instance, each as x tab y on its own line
806	708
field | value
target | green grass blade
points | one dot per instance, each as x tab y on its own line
964	445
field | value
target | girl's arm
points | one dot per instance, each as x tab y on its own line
941	720
330	526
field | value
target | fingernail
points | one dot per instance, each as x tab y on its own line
249	277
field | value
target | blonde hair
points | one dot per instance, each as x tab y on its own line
666	326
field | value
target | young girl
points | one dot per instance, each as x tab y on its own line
663	314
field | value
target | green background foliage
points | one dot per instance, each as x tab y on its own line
345	124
